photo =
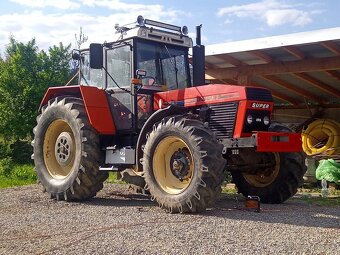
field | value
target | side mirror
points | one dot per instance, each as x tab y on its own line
96	56
140	73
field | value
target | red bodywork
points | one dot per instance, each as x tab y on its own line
213	94
219	93
278	142
202	95
96	105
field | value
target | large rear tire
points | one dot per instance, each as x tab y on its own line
275	184
183	165
66	151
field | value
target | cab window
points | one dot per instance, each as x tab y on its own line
119	66
88	76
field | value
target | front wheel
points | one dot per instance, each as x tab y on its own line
183	165
66	151
273	185
278	182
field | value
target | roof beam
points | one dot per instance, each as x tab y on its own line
305	65
318	84
331	46
261	55
334	74
295	52
209	65
293	88
230	60
206	64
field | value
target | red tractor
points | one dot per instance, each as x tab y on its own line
137	111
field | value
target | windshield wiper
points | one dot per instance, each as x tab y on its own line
124	89
173	62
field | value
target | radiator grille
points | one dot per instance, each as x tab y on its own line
259	94
222	119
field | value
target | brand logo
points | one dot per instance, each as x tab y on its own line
260	105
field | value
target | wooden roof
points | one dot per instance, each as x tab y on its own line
300	69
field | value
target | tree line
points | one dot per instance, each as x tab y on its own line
25	74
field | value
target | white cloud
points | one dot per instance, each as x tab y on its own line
120	6
152	11
272	12
52	28
58	4
281	17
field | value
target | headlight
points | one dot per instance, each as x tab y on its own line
249	119
266	120
140	21
185	30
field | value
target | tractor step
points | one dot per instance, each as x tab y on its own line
118	156
111	168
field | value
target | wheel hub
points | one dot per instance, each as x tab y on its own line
268	174
180	164
64	148
173	166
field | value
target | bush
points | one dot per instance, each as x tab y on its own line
5	148
6	165
21	151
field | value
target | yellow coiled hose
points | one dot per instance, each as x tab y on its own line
321	137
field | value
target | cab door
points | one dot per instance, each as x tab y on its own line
118	60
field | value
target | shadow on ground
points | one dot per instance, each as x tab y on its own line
231	206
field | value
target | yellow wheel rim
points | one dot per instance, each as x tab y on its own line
168	153
264	179
58	149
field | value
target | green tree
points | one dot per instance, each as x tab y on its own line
25	75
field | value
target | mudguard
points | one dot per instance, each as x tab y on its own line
95	101
154	118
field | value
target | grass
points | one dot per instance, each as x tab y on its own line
114	179
17	175
228	189
12	175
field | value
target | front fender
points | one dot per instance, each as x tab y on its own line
154	118
95	102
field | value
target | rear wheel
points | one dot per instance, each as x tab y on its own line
183	165
279	180
66	151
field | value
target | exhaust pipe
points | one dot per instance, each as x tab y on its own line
198	57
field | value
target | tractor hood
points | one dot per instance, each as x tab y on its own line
211	94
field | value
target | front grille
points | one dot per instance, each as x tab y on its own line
222	119
259	94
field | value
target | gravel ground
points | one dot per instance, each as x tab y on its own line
119	222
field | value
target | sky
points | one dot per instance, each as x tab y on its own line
54	21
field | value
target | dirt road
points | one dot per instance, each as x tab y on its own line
119	222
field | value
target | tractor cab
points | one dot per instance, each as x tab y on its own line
149	57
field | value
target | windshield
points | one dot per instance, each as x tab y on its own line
166	63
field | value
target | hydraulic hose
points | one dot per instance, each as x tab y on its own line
321	137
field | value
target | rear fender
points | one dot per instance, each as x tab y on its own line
96	105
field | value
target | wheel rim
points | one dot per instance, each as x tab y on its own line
173	165
58	149
266	177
